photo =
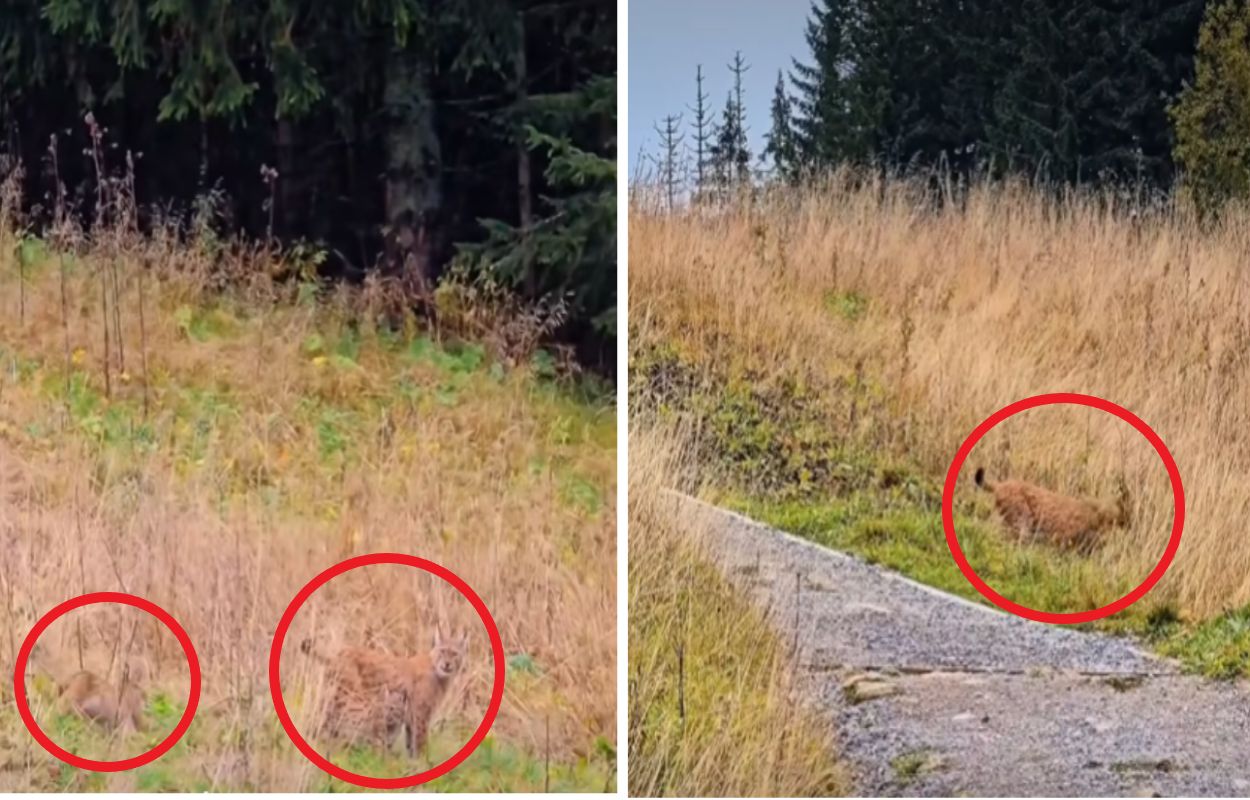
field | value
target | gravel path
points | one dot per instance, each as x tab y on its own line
936	696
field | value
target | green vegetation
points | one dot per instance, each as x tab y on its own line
1212	116
493	767
910	766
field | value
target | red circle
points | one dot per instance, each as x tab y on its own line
28	645
1074	617
496	695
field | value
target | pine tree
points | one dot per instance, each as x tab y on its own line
780	139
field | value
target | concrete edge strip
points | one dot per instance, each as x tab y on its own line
894	671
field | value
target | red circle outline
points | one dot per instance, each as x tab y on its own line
91	598
1074	617
275	684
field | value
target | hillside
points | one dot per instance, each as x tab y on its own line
178	423
820	353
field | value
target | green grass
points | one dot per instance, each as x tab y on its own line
884	527
888	528
495	766
492	767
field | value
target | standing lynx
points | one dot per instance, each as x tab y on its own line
372	694
1034	513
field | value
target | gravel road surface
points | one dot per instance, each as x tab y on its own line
937	696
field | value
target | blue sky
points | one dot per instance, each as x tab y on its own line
667	38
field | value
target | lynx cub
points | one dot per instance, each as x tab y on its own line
372	694
94	698
1037	514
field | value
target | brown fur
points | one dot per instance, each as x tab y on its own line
1037	514
96	699
372	694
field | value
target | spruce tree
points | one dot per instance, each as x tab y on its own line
821	115
724	147
1085	97
702	126
980	54
741	151
780	147
670	144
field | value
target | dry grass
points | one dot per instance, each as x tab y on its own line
710	710
910	323
175	424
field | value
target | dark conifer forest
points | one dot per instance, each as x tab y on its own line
404	137
1149	96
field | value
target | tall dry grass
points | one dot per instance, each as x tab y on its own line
711	712
176	423
940	314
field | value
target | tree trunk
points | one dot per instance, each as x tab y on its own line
414	195
284	219
524	178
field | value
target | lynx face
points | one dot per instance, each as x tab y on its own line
448	655
1036	514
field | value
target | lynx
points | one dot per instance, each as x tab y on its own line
372	694
95	699
1037	514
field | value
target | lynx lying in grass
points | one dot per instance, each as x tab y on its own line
372	694
1037	514
94	698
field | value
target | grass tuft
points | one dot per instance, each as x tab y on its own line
710	707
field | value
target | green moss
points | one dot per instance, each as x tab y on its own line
849	306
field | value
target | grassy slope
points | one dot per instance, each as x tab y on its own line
710	713
832	350
252	439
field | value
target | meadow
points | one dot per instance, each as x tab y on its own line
204	423
819	354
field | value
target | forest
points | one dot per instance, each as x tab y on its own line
406	138
1147	96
